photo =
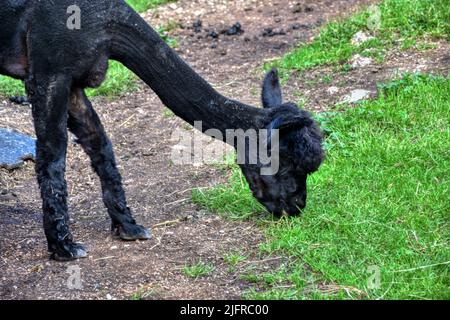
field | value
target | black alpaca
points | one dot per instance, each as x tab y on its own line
58	63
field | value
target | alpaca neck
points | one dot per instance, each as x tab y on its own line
180	88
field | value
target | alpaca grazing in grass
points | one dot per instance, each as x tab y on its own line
57	63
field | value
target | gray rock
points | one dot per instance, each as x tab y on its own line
356	95
333	90
15	148
359	61
360	37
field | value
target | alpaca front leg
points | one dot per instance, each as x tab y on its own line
85	124
49	98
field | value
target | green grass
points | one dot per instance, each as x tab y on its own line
167	113
199	269
144	5
119	80
234	258
143	294
403	21
164	34
233	199
11	87
380	199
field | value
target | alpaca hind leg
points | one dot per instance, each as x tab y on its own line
85	124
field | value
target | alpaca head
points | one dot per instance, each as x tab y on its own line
300	153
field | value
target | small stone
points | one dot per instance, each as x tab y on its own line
360	37
235	29
356	95
213	34
359	61
108	297
197	25
270	32
297	26
199	13
333	90
297	8
148	153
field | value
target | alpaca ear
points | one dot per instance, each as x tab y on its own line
293	123
285	126
271	92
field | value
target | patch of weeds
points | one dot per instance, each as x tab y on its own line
144	5
234	258
327	78
142	295
199	269
167	113
346	67
424	46
11	87
302	100
408	44
164	34
311	82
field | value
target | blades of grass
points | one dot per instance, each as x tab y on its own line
380	202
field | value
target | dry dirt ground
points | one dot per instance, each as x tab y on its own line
159	191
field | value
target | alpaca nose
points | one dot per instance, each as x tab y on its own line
300	202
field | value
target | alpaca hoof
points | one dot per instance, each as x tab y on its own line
19	100
131	232
69	251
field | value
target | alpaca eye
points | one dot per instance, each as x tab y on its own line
291	187
289	183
